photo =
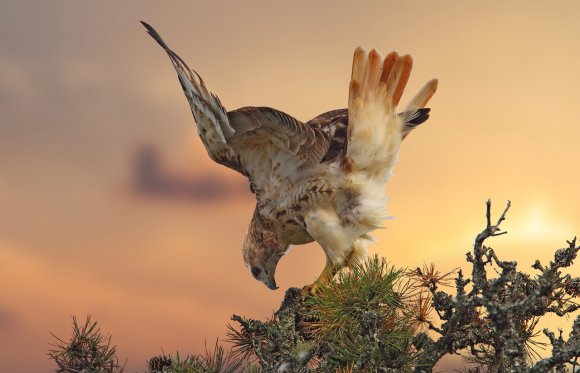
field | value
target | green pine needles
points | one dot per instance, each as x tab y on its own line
87	351
375	317
217	360
364	319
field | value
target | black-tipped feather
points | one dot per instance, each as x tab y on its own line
155	35
174	56
229	136
418	117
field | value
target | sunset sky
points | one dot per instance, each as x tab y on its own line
85	93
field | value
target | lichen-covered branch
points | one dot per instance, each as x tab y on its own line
495	321
377	318
491	318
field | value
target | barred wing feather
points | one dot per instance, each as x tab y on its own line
227	136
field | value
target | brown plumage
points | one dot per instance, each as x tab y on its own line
322	180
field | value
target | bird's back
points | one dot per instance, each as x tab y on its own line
335	124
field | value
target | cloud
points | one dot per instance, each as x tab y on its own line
149	179
7	319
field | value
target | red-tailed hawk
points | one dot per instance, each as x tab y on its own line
323	180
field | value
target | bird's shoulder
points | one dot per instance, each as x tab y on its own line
334	124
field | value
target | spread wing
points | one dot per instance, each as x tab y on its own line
240	138
262	127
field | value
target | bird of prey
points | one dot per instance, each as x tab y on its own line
323	180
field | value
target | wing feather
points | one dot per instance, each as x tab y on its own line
227	136
251	134
307	143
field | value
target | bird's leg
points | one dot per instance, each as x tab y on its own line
330	269
358	254
325	227
351	258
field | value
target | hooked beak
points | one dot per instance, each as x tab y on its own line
271	272
271	283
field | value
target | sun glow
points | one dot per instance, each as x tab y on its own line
539	224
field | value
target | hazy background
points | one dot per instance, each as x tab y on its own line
109	205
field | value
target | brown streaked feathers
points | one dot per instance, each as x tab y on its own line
322	180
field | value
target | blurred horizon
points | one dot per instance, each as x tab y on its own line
110	206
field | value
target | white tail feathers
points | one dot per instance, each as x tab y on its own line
374	130
422	97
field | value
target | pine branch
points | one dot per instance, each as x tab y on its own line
375	317
501	337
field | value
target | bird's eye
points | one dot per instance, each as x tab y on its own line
256	271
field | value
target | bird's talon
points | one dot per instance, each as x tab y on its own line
311	289
311	155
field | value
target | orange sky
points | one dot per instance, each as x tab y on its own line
82	87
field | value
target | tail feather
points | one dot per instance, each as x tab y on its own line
417	117
413	119
359	64
372	73
358	72
422	97
374	130
398	79
388	65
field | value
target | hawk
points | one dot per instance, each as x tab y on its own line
323	180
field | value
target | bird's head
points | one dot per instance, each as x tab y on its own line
262	250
